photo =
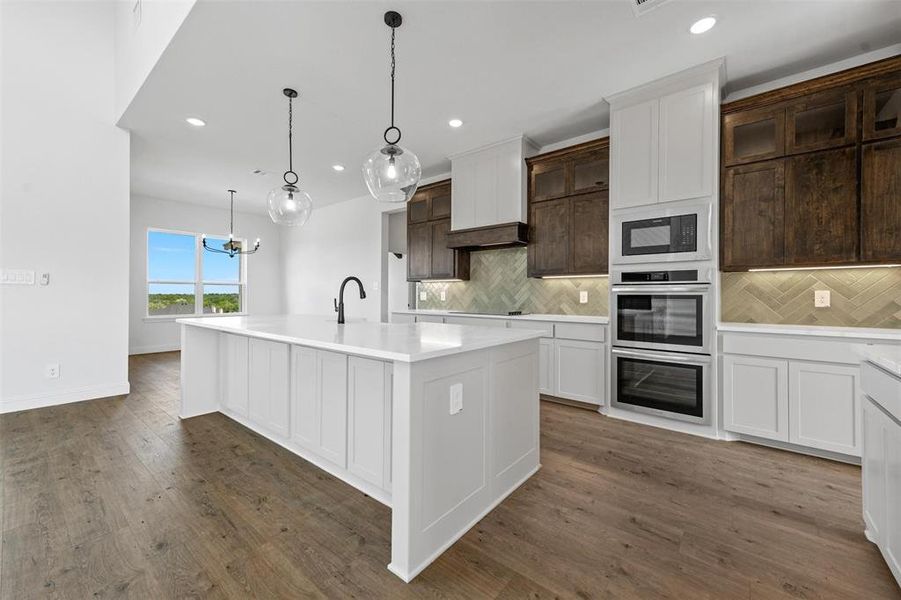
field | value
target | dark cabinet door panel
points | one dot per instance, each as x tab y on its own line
753	135
882	108
821	121
441	203
442	266
880	201
752	216
419	251
549	238
589	233
821	213
418	208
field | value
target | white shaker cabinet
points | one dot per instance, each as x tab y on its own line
369	420
755	396
824	401
268	385
663	139
233	367
633	155
580	371
319	402
547	379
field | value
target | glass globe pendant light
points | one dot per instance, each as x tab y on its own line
288	204
232	247
392	172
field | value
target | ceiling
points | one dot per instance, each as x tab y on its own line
504	68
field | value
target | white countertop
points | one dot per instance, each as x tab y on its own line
887	357
387	341
529	317
867	333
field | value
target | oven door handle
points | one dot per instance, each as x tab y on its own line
660	289
664	356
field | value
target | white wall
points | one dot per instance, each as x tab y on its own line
265	290
140	42
339	240
63	205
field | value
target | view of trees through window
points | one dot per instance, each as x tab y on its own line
174	261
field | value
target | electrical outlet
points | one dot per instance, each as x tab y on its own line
456	398
443	295
45	278
822	298
583	297
51	371
423	295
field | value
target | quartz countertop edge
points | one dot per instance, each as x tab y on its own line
401	342
865	333
886	357
598	320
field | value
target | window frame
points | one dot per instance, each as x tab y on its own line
198	281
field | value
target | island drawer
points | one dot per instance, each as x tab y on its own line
882	387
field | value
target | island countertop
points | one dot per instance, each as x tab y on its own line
404	342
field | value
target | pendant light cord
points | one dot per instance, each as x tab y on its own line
393	68
290	134
231	220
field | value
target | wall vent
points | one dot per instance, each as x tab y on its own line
641	7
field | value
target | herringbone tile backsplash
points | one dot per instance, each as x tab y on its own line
498	283
860	297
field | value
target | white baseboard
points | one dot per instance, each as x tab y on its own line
90	392
154	349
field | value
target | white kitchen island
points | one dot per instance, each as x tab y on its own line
439	422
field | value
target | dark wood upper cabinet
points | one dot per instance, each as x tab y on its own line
882	108
428	223
811	173
753	135
821	214
548	252
821	121
568	210
880	201
753	215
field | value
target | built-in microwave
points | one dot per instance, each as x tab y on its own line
662	235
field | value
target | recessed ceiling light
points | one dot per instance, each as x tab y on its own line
455	122
338	168
702	25
195	121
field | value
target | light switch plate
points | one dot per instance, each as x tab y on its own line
456	398
822	298
583	297
423	295
17	277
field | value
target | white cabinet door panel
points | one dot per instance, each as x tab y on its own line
366	400
304	402
269	385
686	144
892	533
755	396
873	471
233	349
546	370
633	155
824	405
332	396
463	193
580	372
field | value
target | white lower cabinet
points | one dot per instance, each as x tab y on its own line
755	396
824	403
369	420
811	404
882	482
234	362
319	402
579	370
268	385
547	380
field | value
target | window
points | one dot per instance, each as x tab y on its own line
183	279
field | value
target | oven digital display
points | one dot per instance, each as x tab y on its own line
650	236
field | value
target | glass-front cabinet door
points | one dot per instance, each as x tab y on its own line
882	108
548	180
591	172
753	135
821	121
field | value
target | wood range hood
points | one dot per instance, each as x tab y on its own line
503	235
489	199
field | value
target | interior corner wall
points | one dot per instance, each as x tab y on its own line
339	240
64	206
265	288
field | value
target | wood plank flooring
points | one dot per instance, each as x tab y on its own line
119	498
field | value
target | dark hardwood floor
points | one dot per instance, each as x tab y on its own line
117	497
